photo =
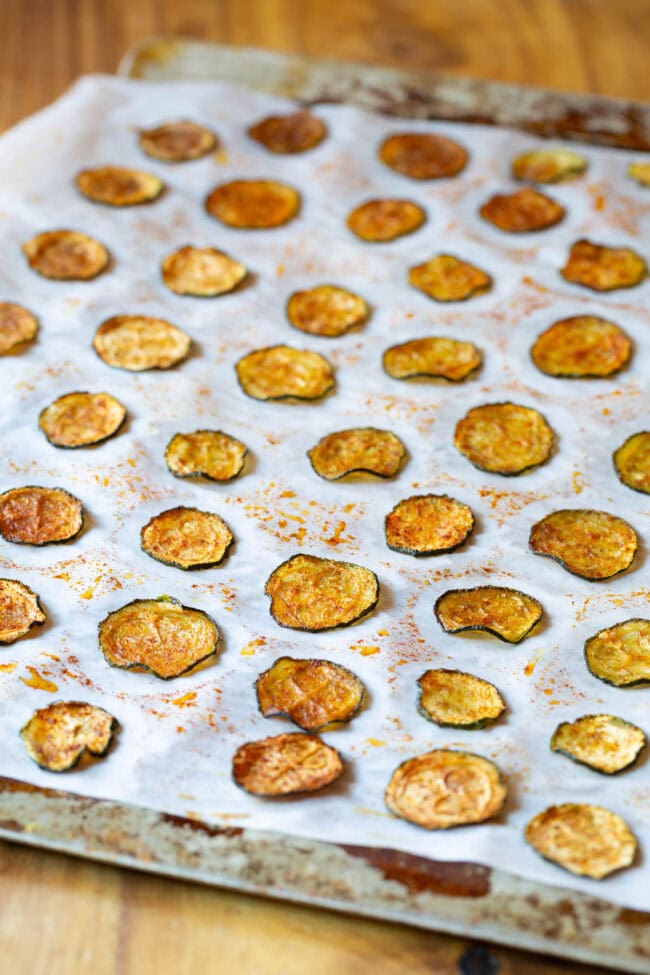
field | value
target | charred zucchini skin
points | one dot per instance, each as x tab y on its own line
200	474
114	728
470	726
435	551
363	470
177	565
62	541
523	470
579	575
60	446
487	629
286	397
319	728
614	460
594	768
6	643
632	683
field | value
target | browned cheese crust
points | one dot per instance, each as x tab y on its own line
359	450
434	357
253	204
20	610
591	544
186	538
311	693
602	741
289	134
380	221
448	278
81	419
57	736
119	187
202	272
66	255
206	453
428	524
140	342
586	840
603	268
508	614
281	372
177	141
285	765
504	438
620	654
326	310
17	327
548	165
584	346
522	212
39	515
423	156
632	462
454	699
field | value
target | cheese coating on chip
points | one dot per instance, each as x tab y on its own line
420	155
548	165
591	544
202	272
206	453
177	141
311	693
359	450
522	212
504	438
435	357
640	171
326	310
285	765
632	462
602	741
603	268
58	736
586	840
20	610
81	419
289	134
140	342
119	187
508	614
584	346
66	255
17	327
620	654
281	372
379	221
253	204
186	538
428	524
39	515
448	278
454	699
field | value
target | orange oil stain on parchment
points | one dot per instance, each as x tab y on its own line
7	668
248	650
185	701
39	682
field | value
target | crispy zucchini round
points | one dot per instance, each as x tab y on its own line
311	693
548	165
40	516
453	699
314	594
202	272
20	610
601	741
206	453
285	765
253	204
582	347
445	788
603	268
17	327
620	654
586	840
435	357
158	635
507	613
632	462
591	544
421	155
140	342
177	141
448	278
289	134
116	186
428	524
57	736
640	171
360	450
380	221
504	438
326	310
81	419
186	538
282	372
66	255
522	212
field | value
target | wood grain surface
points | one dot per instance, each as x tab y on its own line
59	915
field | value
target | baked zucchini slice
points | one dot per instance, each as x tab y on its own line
17	327
448	278
620	654
58	736
253	204
601	741
453	699
446	788
421	155
428	524
116	186
138	343
289	134
548	165
313	594
506	613
81	419
380	221
40	516
326	310
603	268
632	462
186	538
640	171
504	438
202	272
66	255
311	693
582	347
586	840
281	372
523	212
360	450
591	544
159	635
432	357
177	141
285	765
20	610
206	453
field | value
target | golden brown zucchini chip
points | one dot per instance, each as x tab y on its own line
620	654
66	255
285	765
582	347
640	171
140	342
632	462
420	155
428	524
587	840
379	221
601	741
159	635
56	737
20	610
253	204
445	788
186	538
281	372
326	310
206	453
17	326
438	358
310	593
454	699
548	165
591	544
81	419
504	438
40	516
202	272
364	450
508	614
311	693
603	268
447	278
177	141
522	212
119	187
289	134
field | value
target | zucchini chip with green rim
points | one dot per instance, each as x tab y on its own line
620	654
582	347
508	614
201	272
548	165
139	342
159	635
285	765
448	278
66	255
504	438
421	155
205	453
40	516
380	221
603	268
445	788
57	736
591	544
640	172
326	310
361	450
289	134
313	594
281	372
311	693
454	699
523	212
432	357
632	462
177	141
428	524
116	186
601	741
253	204
20	610
81	419
17	327
587	840
186	538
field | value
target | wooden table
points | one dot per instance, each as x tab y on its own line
60	915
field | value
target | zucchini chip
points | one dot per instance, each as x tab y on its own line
159	635
19	610
253	204
285	765
591	544
548	165
447	278
313	594
311	693
632	462
428	524
504	438
438	358
289	134
420	155
326	310
620	654
522	212
379	221
119	187
508	614
281	372
582	347
81	419
640	171
205	453
445	788
40	516
601	741
587	840
56	737
202	272
139	342
186	538
602	268
360	450
454	699
66	255
177	141
17	327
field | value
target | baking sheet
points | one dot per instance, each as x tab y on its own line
176	742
